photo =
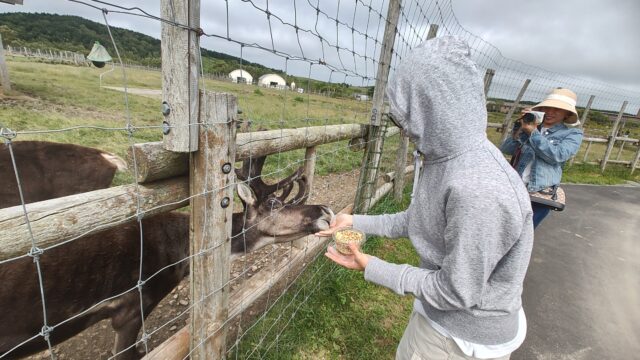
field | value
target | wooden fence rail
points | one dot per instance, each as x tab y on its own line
57	220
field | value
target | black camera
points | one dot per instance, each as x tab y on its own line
533	116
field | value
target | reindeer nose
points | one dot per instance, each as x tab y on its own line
327	211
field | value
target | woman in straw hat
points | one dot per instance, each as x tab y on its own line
542	148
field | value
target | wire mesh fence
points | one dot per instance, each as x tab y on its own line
294	136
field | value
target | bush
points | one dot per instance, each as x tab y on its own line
298	99
258	92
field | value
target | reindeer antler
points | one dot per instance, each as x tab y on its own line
251	172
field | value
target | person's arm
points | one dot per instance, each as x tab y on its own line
509	145
478	234
387	225
553	152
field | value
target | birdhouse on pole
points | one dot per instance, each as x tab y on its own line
99	55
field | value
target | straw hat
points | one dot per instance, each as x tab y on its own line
564	99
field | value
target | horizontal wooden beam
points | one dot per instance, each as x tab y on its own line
390	176
66	218
154	162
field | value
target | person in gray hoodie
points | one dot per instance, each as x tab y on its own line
470	218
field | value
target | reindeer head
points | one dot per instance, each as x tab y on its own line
268	216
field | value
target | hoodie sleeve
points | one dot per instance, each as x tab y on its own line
474	244
556	153
391	226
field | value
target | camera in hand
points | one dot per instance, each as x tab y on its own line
533	116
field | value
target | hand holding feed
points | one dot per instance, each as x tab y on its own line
340	221
356	261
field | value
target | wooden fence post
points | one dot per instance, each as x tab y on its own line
507	120
371	159
612	137
4	72
586	152
403	147
634	163
180	74
211	173
488	78
583	121
310	166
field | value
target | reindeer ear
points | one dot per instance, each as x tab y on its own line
246	194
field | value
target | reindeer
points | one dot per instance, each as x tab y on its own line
82	274
49	170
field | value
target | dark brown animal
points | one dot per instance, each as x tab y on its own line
94	277
49	170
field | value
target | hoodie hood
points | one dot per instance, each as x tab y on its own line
437	97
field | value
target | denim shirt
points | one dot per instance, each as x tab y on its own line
548	151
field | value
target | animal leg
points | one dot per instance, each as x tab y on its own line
126	335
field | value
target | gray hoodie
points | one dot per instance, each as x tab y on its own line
470	220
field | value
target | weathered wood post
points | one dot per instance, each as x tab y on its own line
211	174
310	166
507	120
4	72
488	79
586	152
583	120
401	163
180	74
634	163
612	137
403	147
371	159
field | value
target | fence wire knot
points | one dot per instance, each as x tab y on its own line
7	134
35	253
144	337
130	128
46	330
140	285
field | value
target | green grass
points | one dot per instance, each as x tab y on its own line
57	96
54	97
333	313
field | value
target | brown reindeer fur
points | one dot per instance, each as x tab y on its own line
49	170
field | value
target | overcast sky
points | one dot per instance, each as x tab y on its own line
595	39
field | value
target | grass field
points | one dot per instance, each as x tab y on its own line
52	97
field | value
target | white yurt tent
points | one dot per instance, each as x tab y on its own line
241	76
272	81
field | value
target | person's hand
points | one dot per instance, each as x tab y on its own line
341	220
356	261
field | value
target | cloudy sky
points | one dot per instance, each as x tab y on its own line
596	40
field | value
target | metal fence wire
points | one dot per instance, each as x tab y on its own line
316	112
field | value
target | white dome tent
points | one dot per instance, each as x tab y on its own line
241	77
273	81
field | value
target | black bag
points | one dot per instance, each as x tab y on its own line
552	197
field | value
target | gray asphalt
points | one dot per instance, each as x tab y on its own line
582	291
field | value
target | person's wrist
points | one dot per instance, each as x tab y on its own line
365	261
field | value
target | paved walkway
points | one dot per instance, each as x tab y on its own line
582	290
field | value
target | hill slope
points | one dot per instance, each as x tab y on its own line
73	33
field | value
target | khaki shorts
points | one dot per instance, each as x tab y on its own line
420	341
